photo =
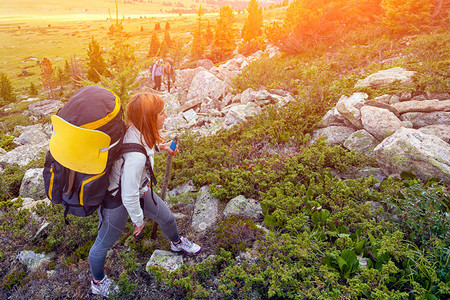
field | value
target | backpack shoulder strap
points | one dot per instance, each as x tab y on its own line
135	147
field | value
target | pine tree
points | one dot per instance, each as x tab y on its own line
167	26
47	74
198	42
225	38
157	26
154	45
407	16
7	94
253	23
209	35
96	63
167	38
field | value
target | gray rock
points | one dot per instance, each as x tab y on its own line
190	115
23	155
441	131
421	119
206	210
44	108
330	119
186	188
164	259
205	63
190	104
33	260
349	108
242	206
335	135
361	141
32	135
411	150
379	122
385	77
32	185
422	106
206	84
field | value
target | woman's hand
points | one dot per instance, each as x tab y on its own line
137	230
166	146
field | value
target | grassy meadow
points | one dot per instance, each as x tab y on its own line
61	31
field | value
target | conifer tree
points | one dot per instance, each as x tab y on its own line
225	38
157	26
209	35
167	38
7	94
154	45
198	42
167	26
47	74
253	23
407	16
96	63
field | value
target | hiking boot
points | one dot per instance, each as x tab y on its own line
104	288
186	246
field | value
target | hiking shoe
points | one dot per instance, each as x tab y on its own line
104	288
186	246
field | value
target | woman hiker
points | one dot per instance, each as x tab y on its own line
157	73
145	118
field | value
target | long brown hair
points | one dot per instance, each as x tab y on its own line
142	112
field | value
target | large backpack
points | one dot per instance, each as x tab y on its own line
86	140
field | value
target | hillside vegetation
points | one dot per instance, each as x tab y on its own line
329	238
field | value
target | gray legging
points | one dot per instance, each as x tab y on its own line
112	223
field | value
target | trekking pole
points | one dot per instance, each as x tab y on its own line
164	186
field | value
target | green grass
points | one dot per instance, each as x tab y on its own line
52	31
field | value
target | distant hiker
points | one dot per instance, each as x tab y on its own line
157	72
145	116
169	72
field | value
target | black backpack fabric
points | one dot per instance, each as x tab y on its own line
79	193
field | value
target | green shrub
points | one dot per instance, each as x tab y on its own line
6	142
11	121
422	209
237	235
12	279
11	180
69	239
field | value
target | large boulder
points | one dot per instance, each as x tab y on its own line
335	135
22	155
32	185
185	77
32	135
441	131
379	122
44	108
206	210
422	106
205	63
331	118
411	150
242	206
164	259
385	77
235	114
361	141
422	119
349	108
206	84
